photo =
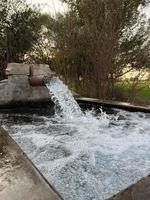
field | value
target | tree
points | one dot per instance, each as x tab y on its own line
20	30
42	51
95	40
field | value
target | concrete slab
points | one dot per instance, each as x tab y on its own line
17	69
41	70
114	104
19	179
138	191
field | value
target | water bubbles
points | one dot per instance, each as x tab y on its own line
63	98
85	156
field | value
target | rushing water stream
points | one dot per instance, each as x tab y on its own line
85	156
63	98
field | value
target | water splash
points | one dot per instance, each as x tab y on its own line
88	157
85	156
62	98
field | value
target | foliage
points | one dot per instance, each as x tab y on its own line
20	29
42	51
90	45
142	91
95	40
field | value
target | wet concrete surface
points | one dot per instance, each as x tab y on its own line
19	179
88	102
138	191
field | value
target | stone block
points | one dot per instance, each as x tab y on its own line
17	69
41	70
17	88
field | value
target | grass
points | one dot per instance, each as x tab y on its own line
142	89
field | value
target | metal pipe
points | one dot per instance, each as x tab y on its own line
36	81
40	80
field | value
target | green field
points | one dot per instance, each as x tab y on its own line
142	89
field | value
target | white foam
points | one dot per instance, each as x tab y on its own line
86	157
89	157
63	98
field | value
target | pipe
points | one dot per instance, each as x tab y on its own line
40	80
36	81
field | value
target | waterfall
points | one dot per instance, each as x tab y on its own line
65	103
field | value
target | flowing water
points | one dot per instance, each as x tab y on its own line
63	98
85	156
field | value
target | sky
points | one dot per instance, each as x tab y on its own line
53	6
49	6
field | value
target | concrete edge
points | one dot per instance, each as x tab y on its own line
138	191
114	104
8	140
90	101
32	104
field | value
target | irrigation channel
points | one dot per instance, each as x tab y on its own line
85	155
